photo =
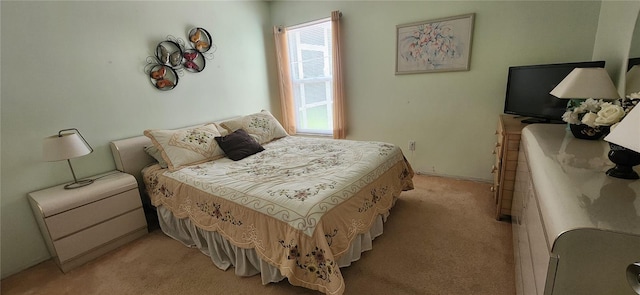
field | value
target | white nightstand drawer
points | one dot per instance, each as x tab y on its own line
55	200
86	240
81	224
77	219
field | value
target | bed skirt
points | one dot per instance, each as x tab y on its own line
246	261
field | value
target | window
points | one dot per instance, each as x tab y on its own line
312	76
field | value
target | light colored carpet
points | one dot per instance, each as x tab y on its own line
441	238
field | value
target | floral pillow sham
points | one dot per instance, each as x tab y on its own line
154	152
262	126
185	147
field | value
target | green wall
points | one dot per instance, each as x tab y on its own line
80	64
452	116
617	37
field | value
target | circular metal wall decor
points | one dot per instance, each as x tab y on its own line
169	53
163	77
200	39
171	59
193	61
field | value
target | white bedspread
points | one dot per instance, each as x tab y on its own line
296	179
300	203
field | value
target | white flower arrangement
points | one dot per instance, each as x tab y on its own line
597	112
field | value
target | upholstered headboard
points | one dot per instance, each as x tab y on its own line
130	156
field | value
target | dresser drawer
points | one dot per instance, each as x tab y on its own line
86	240
77	219
524	262
81	224
537	242
506	151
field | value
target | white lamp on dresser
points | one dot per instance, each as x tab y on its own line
84	219
66	145
586	83
625	146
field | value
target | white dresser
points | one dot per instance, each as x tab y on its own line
575	229
83	223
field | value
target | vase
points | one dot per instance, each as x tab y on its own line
583	131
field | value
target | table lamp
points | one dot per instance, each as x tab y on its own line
66	145
585	83
624	141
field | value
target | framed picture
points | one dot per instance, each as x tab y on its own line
437	45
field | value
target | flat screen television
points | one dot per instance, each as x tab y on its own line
632	62
528	90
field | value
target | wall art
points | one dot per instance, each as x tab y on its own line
163	77
172	58
437	45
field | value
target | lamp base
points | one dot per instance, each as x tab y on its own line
624	159
78	184
624	172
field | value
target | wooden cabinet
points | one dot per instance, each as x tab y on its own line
575	229
81	224
504	169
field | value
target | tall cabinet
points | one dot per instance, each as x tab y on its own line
575	229
504	168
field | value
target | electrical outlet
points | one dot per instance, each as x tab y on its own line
412	145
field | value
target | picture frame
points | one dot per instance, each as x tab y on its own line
438	45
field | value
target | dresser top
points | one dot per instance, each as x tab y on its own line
512	124
57	199
571	186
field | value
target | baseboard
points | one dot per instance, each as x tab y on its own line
455	177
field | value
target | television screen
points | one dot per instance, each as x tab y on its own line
632	62
528	90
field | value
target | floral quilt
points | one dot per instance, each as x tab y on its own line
299	203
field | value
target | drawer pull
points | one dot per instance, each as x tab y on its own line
493	152
494	169
497	144
493	188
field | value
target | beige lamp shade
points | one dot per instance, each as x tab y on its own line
585	83
627	132
633	80
64	147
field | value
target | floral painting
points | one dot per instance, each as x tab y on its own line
434	46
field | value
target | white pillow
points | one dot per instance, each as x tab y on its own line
154	152
185	147
262	126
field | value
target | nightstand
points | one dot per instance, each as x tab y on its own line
81	224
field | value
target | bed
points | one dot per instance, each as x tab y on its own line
288	207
